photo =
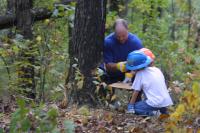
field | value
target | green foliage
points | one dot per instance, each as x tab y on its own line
110	19
43	3
19	121
3	6
37	119
84	111
69	126
1	130
50	51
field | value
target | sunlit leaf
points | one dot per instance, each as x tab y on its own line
196	88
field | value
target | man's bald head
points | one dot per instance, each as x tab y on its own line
121	30
121	22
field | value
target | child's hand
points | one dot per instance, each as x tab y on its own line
128	77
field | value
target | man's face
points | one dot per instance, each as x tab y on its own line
121	34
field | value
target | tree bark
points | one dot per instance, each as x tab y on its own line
38	14
65	2
24	26
197	43
87	47
24	17
189	23
173	24
11	6
9	20
114	6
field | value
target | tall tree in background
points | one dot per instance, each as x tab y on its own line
10	7
173	22
189	19
119	6
24	27
86	48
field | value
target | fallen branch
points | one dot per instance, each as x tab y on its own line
8	21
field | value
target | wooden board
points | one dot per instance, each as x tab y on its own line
121	85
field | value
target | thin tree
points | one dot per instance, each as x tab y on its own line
189	22
24	23
173	22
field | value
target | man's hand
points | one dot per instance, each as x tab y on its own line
121	66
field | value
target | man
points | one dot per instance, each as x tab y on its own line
117	46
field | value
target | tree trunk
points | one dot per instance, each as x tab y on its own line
114	6
24	18
38	14
24	27
173	22
86	47
197	42
9	20
11	7
189	23
11	12
144	25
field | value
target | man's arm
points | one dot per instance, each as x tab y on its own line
134	97
111	67
109	60
108	57
120	66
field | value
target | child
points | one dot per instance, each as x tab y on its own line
151	81
129	75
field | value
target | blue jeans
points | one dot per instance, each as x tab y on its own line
142	108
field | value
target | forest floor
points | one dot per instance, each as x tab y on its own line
109	121
96	120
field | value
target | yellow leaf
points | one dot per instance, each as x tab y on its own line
180	109
84	111
113	97
110	89
46	21
175	116
80	84
39	38
108	97
84	121
196	88
97	90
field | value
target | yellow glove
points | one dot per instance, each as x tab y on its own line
128	77
121	66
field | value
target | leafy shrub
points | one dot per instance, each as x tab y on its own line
37	119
